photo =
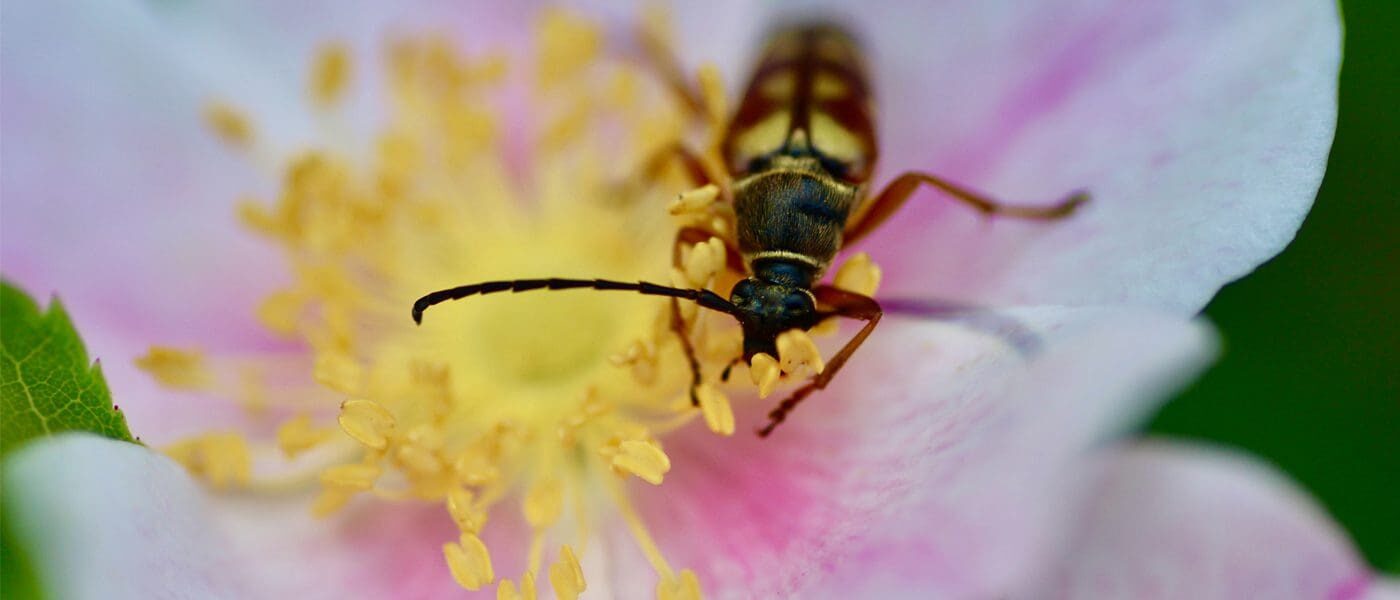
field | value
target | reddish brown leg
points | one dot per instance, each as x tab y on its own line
885	204
843	304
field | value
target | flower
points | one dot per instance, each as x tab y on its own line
940	430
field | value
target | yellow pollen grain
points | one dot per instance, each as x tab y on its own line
796	349
175	368
567	575
694	201
643	458
330	501
704	262
358	477
764	372
298	435
229	124
714	406
858	274
222	459
337	371
543	504
367	422
469	562
418	458
330	75
685	586
467	516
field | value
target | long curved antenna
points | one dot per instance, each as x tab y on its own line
704	298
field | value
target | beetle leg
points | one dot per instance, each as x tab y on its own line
882	206
844	304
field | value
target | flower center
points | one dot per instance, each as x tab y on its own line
537	399
540	397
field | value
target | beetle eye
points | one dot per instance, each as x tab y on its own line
795	303
742	291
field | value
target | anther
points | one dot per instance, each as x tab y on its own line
469	562
719	417
358	477
694	201
683	586
642	458
297	435
367	422
858	274
175	368
796	349
764	372
566	575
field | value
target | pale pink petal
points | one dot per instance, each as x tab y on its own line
1201	128
118	199
1176	521
942	452
106	519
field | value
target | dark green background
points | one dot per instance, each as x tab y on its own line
1310	376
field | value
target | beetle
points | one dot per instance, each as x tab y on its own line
800	150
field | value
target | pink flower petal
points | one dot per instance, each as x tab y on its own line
1176	521
106	519
942	452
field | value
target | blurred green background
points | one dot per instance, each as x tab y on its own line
1310	376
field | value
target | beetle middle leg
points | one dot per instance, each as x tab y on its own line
887	202
843	304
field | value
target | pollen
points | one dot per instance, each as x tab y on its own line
858	274
566	575
642	458
796	350
764	371
330	75
229	124
469	562
175	368
714	405
541	405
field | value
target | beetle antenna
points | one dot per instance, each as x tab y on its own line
704	298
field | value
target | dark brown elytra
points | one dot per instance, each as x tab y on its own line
800	150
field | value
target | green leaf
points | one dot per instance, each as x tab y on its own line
46	383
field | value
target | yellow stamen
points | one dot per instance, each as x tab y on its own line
469	562
643	458
367	422
686	586
338	371
714	405
543	504
694	201
330	75
567	575
468	516
175	368
297	435
229	124
858	274
764	371
567	45
353	477
796	350
222	459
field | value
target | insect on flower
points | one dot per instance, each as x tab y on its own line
798	153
